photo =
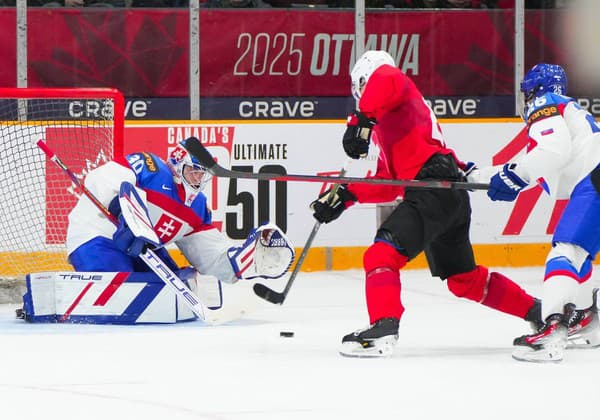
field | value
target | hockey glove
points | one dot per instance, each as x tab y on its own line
266	253
126	241
357	137
471	172
506	184
332	203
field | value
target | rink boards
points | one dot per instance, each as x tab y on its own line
504	234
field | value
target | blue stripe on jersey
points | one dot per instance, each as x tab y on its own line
579	222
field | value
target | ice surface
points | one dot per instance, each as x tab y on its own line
453	362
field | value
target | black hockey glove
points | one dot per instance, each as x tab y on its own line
357	137
332	203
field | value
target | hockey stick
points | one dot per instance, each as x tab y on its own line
197	150
148	256
275	297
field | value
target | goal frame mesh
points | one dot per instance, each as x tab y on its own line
15	261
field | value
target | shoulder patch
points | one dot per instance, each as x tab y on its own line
545	112
150	163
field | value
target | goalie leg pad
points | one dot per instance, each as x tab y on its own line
102	298
266	253
207	288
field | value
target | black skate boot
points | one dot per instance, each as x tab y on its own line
534	316
377	340
548	343
584	327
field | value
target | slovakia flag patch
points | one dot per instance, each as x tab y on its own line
548	131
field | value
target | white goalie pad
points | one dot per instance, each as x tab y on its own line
266	253
208	289
102	298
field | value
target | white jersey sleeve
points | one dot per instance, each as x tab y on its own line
564	145
551	150
85	220
206	250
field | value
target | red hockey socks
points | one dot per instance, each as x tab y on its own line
382	265
507	296
494	290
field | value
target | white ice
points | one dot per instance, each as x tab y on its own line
453	361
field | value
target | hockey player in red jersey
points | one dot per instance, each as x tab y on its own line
393	114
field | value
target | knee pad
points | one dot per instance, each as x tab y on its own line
569	260
470	285
384	235
382	254
570	257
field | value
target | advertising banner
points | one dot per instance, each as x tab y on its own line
273	52
315	148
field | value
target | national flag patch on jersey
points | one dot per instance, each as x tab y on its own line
548	131
167	228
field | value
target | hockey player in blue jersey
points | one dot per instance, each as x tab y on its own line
178	211
563	156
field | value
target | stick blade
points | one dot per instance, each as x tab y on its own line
195	148
267	294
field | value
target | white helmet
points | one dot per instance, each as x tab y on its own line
179	158
364	68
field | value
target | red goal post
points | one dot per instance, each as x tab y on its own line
85	129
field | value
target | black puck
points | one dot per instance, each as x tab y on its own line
286	334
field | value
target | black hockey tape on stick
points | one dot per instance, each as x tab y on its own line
195	148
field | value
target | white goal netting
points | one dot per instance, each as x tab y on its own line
36	196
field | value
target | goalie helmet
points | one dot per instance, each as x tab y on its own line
187	169
544	78
364	68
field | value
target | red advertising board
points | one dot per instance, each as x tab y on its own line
272	52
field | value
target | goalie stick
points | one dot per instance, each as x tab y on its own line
277	298
197	150
148	256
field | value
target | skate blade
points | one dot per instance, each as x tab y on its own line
363	355
538	356
582	344
352	349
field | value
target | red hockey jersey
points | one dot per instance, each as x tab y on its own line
407	132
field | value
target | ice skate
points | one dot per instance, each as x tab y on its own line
584	327
546	345
377	340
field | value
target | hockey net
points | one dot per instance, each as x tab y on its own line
84	127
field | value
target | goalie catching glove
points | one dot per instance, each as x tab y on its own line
332	203
357	137
266	253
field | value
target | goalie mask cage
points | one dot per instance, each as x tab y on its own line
84	127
